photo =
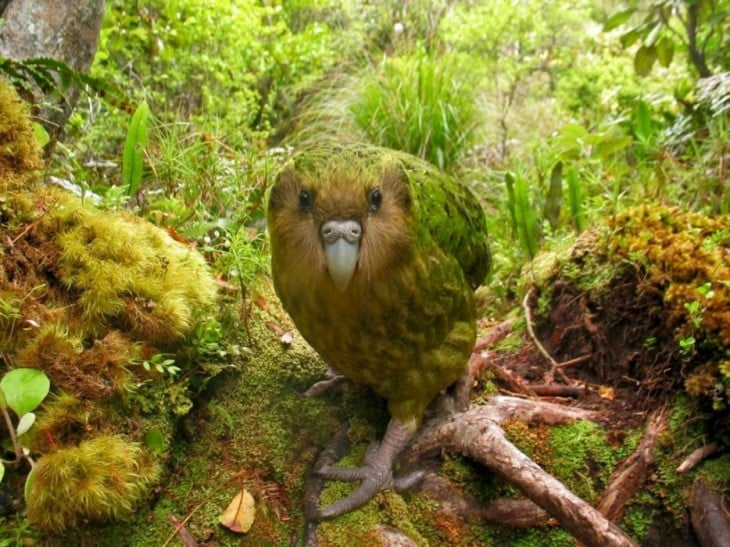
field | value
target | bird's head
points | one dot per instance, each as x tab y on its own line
341	215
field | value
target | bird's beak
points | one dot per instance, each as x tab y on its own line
341	249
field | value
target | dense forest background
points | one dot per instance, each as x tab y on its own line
557	114
560	116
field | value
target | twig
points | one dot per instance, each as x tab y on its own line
576	361
697	456
558	390
185	536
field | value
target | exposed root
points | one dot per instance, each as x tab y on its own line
554	365
522	513
631	475
477	434
335	450
455	503
710	516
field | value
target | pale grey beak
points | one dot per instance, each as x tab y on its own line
341	249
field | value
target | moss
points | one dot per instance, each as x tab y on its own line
20	154
531	537
93	297
129	273
716	473
581	457
644	294
101	479
639	516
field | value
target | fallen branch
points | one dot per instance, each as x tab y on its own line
493	335
185	537
477	435
506	378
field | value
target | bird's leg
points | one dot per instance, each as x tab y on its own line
376	473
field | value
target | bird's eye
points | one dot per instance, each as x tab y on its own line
375	198
306	201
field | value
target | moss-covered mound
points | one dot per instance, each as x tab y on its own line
647	298
20	154
112	309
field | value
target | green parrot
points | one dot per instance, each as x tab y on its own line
375	255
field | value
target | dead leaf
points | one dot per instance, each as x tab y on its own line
275	327
177	236
238	516
606	392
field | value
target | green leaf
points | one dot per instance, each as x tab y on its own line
25	389
554	198
25	423
575	198
642	124
155	441
134	145
665	51
644	60
630	37
41	135
29	482
2	471
618	18
509	180
612	146
651	38
528	228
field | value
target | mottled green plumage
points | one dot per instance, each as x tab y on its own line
374	254
405	324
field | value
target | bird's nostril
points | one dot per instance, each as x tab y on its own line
349	230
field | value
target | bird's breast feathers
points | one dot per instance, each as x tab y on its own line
357	268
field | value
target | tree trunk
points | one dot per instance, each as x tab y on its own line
67	31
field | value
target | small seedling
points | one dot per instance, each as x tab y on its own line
22	390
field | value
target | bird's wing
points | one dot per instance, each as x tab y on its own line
453	216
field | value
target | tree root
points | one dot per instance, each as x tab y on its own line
631	475
477	434
709	516
335	450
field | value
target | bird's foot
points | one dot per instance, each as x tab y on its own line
376	473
